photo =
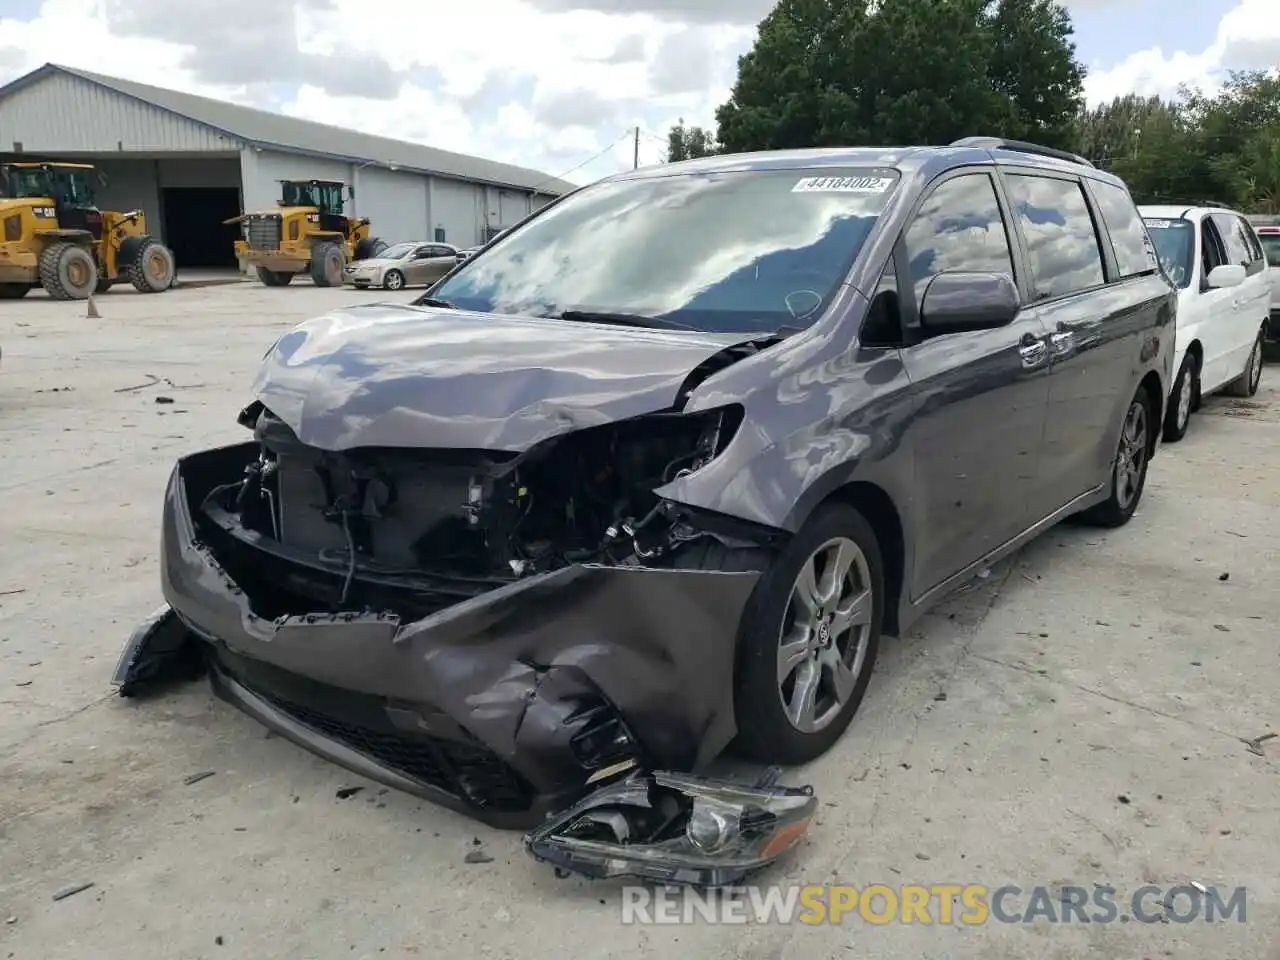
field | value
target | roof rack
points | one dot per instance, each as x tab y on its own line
1022	146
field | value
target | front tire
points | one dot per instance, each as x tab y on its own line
68	272
1246	385
153	269
393	280
1129	474
809	639
327	263
1182	400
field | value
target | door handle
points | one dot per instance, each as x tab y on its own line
1033	353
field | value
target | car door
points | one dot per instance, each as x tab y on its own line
414	266
1228	334
440	260
1255	292
981	394
1095	328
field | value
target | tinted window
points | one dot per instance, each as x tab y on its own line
958	228
1129	240
734	250
1062	243
1175	243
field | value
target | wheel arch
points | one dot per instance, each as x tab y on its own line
879	510
1159	398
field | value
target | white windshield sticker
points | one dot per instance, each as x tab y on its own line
1159	224
843	185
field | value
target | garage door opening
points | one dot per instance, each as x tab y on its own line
193	227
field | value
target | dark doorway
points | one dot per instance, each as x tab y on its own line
193	227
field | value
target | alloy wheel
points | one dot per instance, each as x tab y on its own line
1184	400
1133	454
822	645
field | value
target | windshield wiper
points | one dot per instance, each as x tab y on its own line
623	319
435	302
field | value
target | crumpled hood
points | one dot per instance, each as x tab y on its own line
387	375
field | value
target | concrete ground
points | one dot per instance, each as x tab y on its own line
1076	718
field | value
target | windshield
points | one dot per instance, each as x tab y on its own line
740	251
300	193
396	251
1271	246
60	184
1175	242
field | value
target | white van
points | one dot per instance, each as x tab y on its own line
1224	301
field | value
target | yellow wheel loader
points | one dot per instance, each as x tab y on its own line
309	233
53	235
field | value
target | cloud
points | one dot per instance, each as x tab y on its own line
1248	37
546	84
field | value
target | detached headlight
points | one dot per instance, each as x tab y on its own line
674	828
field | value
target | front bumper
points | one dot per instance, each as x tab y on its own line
502	706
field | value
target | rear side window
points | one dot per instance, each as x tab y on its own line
958	228
1062	243
1129	241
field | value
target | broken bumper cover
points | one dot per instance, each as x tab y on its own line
503	706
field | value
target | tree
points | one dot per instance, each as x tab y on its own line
689	143
894	72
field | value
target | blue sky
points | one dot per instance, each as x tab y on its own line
555	85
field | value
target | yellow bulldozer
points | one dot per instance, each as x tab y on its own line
54	236
309	233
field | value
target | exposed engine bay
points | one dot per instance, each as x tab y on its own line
435	527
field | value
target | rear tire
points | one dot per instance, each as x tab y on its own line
14	291
68	272
1246	385
327	263
274	278
1129	473
153	269
826	646
1182	400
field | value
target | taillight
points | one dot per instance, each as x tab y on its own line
293	229
13	227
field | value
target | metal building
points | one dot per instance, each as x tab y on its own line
191	162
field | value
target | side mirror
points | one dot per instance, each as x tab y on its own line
957	302
1226	275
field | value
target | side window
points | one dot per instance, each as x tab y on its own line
1256	255
1062	242
422	253
958	228
438	251
1134	251
1212	253
1237	247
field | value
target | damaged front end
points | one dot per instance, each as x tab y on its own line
492	631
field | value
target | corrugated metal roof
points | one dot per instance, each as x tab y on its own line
291	135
